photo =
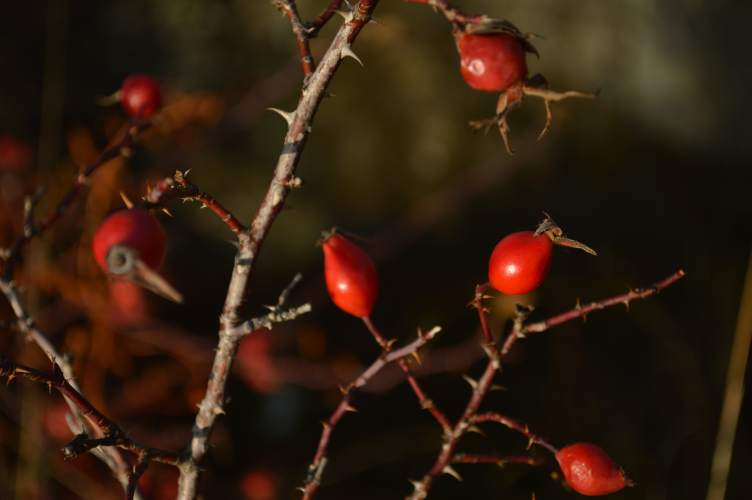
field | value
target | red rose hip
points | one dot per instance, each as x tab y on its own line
140	93
520	262
136	229
351	276
491	62
591	472
131	244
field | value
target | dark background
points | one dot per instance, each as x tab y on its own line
654	175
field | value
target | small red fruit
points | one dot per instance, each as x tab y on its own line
491	62
135	229
140	93
351	276
520	261
131	244
590	471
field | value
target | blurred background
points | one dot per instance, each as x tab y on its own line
653	175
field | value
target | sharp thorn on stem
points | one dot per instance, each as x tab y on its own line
448	470
289	117
348	51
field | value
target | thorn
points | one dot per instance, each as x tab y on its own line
327	94
346	14
470	381
497	387
341	388
630	289
626	303
374	21
389	343
166	211
186	172
529	443
350	408
416	484
476	429
348	51
126	200
325	424
417	358
448	470
427	404
289	117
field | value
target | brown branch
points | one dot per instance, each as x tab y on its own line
513	424
302	35
113	434
495	458
252	239
166	191
138	471
316	469
320	21
581	311
121	148
425	403
452	13
112	457
470	416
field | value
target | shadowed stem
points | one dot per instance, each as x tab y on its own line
425	402
316	469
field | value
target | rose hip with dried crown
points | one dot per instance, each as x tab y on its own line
520	262
140	93
591	472
134	228
131	244
491	62
351	276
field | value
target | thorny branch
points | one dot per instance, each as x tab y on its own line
252	238
316	469
425	403
495	458
302	35
25	324
481	387
133	477
82	443
121	148
165	190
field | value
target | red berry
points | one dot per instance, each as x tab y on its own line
590	471
350	276
491	62
135	229
520	262
140	93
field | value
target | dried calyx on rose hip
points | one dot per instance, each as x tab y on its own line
520	261
351	276
130	245
493	58
591	472
140	94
